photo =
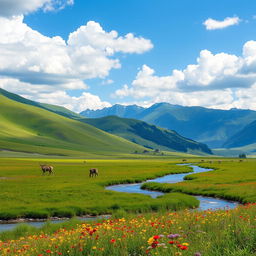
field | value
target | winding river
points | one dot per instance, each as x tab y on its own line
205	202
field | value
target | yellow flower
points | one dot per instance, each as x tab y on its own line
151	240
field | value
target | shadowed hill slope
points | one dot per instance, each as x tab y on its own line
244	137
147	135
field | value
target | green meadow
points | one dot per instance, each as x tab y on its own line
26	193
231	179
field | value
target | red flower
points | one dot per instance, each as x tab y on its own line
156	237
112	241
171	242
183	247
154	244
48	251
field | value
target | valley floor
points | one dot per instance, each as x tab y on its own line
133	230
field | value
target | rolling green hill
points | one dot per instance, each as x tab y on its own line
210	126
53	108
149	136
29	128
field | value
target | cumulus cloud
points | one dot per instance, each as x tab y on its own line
32	57
41	64
10	8
49	94
217	80
212	24
77	104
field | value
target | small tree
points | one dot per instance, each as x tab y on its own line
242	155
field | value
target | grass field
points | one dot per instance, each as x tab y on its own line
25	192
231	180
187	233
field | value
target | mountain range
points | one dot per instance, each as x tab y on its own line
213	127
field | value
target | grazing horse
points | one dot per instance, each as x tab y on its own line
46	168
93	172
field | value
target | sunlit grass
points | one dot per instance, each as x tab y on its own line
25	192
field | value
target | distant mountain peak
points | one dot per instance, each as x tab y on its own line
206	125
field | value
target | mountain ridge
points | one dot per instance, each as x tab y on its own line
210	126
147	135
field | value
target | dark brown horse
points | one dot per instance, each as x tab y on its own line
94	172
46	168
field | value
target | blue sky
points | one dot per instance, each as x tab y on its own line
175	34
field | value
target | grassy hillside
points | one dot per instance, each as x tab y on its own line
29	128
210	126
53	108
147	135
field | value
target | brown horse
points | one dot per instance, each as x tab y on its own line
93	172
46	168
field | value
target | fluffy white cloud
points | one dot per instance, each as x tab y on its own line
41	64
217	80
212	24
92	34
32	57
10	8
76	104
49	94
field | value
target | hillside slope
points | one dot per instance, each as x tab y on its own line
147	135
53	108
210	126
244	137
30	128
